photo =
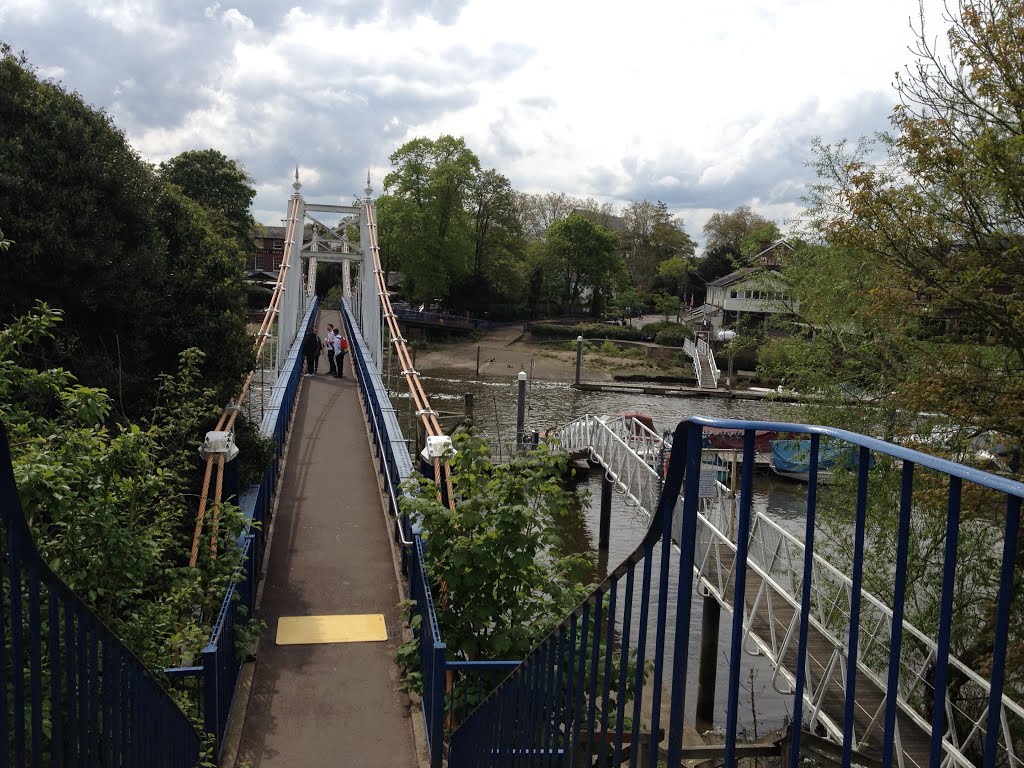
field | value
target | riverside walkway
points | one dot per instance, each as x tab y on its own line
327	703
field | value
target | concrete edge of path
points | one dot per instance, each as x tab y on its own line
243	688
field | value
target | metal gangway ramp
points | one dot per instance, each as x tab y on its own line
839	649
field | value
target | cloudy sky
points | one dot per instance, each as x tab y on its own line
704	104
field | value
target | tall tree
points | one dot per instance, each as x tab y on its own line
915	300
429	225
539	212
587	258
733	230
93	239
651	236
946	210
218	184
499	273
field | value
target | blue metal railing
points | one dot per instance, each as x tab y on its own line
441	703
221	661
567	701
70	692
390	447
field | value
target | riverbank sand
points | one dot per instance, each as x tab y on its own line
507	350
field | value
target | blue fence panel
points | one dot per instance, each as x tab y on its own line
559	706
70	692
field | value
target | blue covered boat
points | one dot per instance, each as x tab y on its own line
792	458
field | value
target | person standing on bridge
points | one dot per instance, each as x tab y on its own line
311	350
340	348
329	343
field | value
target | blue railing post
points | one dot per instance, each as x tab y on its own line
438	680
211	695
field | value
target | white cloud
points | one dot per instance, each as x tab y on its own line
237	21
711	105
33	11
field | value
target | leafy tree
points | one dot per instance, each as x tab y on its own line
652	236
219	185
665	304
733	231
98	237
499	270
759	239
676	276
539	212
428	225
80	204
921	260
201	270
715	263
946	211
600	213
586	255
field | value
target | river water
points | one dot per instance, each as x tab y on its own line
552	404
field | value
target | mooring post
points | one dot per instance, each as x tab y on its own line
478	361
605	529
579	358
521	412
708	669
468	405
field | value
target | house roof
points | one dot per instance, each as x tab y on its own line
276	233
261	275
773	246
735	277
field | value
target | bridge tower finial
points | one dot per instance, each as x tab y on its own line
367	189
296	185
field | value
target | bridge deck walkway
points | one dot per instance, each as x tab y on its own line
328	704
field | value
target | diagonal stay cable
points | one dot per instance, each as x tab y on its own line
227	418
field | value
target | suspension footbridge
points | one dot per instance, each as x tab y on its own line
613	673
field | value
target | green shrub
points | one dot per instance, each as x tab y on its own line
673	337
587	331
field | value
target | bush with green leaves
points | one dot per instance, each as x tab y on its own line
673	337
497	564
587	331
111	505
497	560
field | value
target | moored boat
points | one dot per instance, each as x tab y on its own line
792	458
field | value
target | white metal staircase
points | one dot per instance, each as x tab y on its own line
703	361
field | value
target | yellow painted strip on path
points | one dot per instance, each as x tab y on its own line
353	628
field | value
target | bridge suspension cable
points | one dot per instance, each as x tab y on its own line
426	414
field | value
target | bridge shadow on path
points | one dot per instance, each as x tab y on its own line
328	704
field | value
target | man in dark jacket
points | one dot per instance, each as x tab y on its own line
311	349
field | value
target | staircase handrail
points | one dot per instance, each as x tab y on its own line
691	350
137	722
705	348
544	724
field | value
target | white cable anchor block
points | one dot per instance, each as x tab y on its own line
219	442
437	448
